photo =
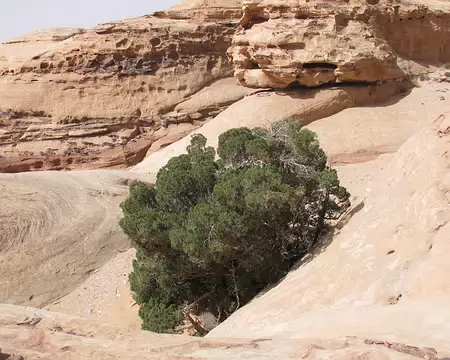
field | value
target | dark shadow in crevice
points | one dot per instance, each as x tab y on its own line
319	247
328	238
297	91
317	65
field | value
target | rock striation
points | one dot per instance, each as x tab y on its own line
377	288
105	97
362	297
57	228
96	98
280	44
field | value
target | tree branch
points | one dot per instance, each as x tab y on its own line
201	298
196	324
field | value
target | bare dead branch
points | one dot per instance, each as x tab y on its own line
200	299
196	324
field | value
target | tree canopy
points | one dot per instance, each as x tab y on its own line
214	232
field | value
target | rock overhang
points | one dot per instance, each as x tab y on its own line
310	43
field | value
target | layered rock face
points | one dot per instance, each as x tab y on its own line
344	304
95	98
376	288
311	43
104	97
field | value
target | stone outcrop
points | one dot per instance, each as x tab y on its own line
96	98
265	107
313	42
344	304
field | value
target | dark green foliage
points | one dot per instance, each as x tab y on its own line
187	179
158	317
220	231
233	145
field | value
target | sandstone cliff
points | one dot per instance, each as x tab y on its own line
78	98
102	97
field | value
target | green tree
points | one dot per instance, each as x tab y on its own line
213	233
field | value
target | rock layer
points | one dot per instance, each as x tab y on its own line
104	97
311	43
345	304
78	98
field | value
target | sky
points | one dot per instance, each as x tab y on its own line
20	17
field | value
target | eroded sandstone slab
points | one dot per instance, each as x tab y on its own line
382	273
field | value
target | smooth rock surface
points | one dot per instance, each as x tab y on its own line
56	229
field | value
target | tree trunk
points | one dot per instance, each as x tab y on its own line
321	220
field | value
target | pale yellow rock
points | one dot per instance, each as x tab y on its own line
264	108
195	4
105	296
364	133
57	228
380	290
218	95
